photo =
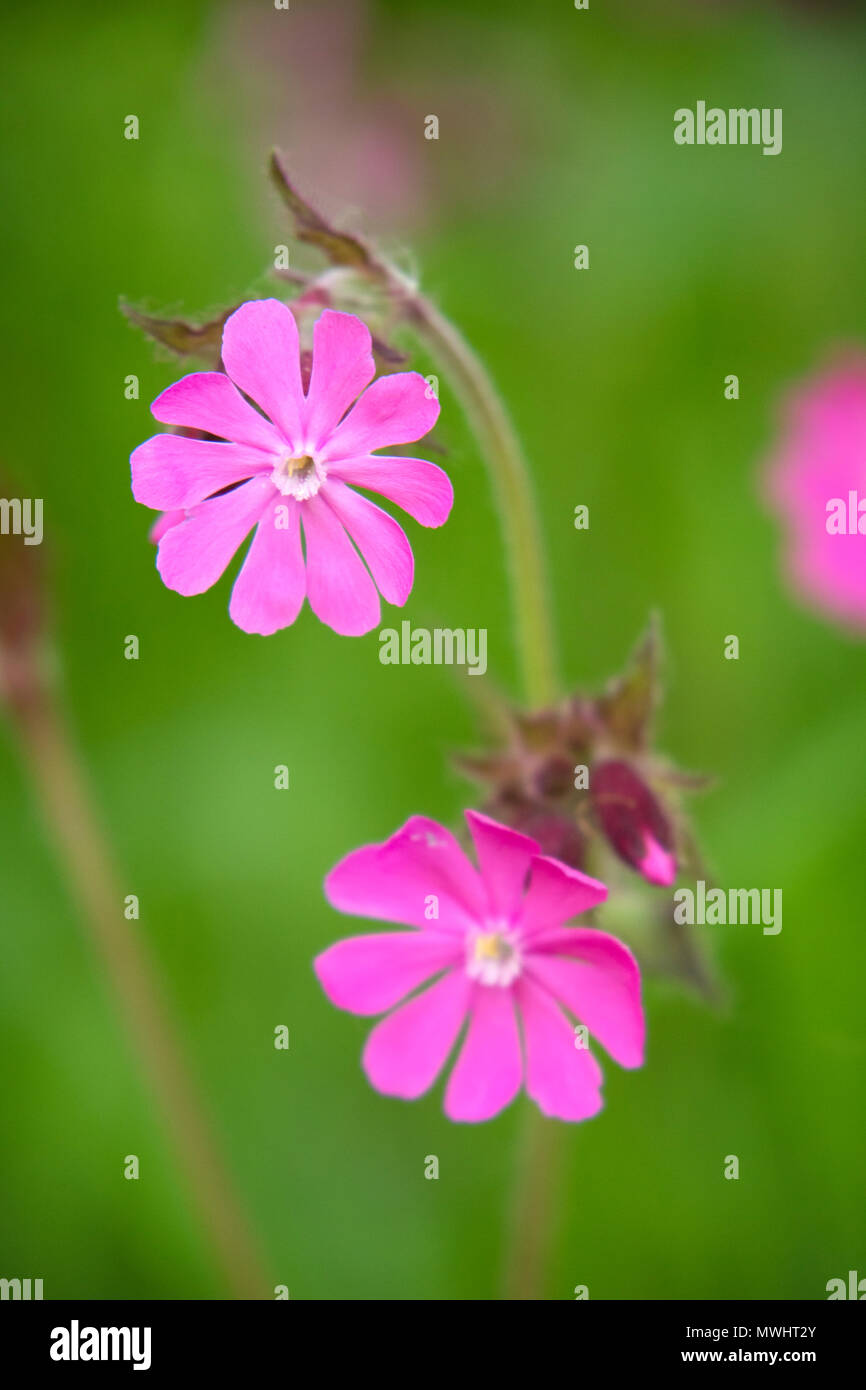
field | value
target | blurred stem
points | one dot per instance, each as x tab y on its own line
65	800
535	1196
512	487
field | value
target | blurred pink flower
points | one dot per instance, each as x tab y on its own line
494	937
346	92
816	481
290	468
351	142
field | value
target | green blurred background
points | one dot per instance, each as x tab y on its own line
556	128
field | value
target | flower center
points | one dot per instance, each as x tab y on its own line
493	957
299	477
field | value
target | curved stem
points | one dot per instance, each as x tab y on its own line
512	487
68	812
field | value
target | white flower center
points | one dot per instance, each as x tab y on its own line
299	477
493	957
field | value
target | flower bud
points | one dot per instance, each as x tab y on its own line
633	821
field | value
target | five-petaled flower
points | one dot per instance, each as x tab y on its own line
505	966
288	466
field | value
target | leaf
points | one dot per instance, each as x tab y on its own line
388	358
184	339
500	769
628	705
539	730
341	248
684	780
681	957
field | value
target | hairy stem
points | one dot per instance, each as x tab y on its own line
512	487
65	801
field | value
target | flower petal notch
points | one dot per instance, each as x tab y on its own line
488	971
281	461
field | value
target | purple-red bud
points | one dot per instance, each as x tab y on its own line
633	821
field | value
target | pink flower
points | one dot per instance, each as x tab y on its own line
288	466
817	482
504	965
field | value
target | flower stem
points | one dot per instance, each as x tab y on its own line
537	1175
501	451
535	1187
64	796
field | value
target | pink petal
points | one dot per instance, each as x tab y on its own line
339	587
396	409
562	1079
171	472
262	356
193	554
381	541
270	588
658	865
208	401
598	979
557	893
342	366
369	974
395	880
408	1049
829	574
489	1070
162	524
504	856
419	487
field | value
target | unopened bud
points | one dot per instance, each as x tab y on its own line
633	821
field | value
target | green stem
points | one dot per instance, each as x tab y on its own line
510	479
535	1187
537	1174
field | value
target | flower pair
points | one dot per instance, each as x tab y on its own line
487	955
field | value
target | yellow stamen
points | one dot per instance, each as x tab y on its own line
491	947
